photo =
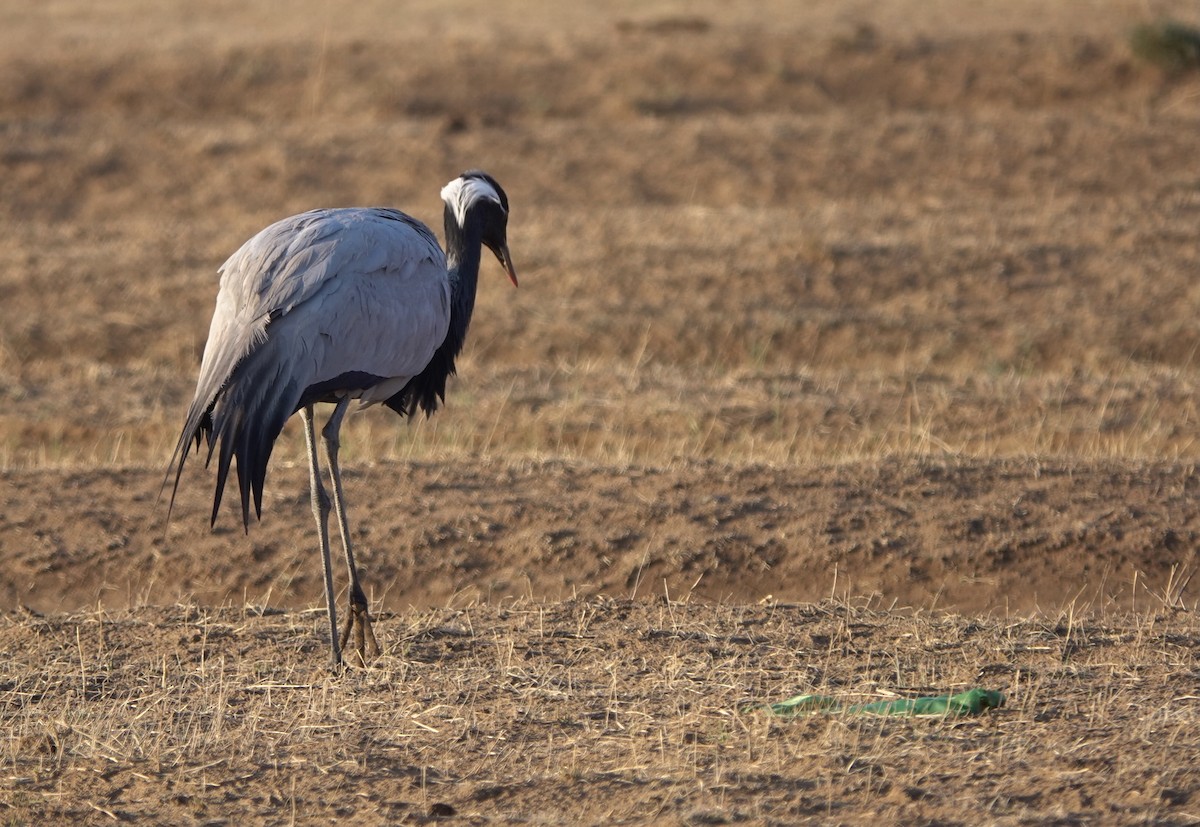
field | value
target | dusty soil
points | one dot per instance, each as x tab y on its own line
987	537
599	711
880	304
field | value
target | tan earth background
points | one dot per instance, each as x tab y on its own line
855	352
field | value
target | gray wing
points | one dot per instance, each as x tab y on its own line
314	297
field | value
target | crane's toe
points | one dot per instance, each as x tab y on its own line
358	622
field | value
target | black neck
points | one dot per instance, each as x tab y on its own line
464	246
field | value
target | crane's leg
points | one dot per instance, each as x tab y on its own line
320	507
358	619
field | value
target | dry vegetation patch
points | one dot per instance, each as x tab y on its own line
826	298
601	711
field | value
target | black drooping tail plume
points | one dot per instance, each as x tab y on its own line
242	422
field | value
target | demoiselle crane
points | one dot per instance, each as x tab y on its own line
336	305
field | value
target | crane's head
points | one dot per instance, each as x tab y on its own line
476	196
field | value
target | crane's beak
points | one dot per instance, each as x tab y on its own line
506	262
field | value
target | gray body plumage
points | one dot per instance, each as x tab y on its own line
338	300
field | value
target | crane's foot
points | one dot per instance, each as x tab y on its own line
366	647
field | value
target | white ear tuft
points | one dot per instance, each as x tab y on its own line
463	192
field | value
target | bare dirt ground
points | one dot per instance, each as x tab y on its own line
854	353
600	711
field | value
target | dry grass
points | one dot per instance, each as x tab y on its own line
598	711
876	299
649	414
869	234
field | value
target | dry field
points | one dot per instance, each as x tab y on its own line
855	353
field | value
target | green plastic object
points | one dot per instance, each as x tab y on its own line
965	703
